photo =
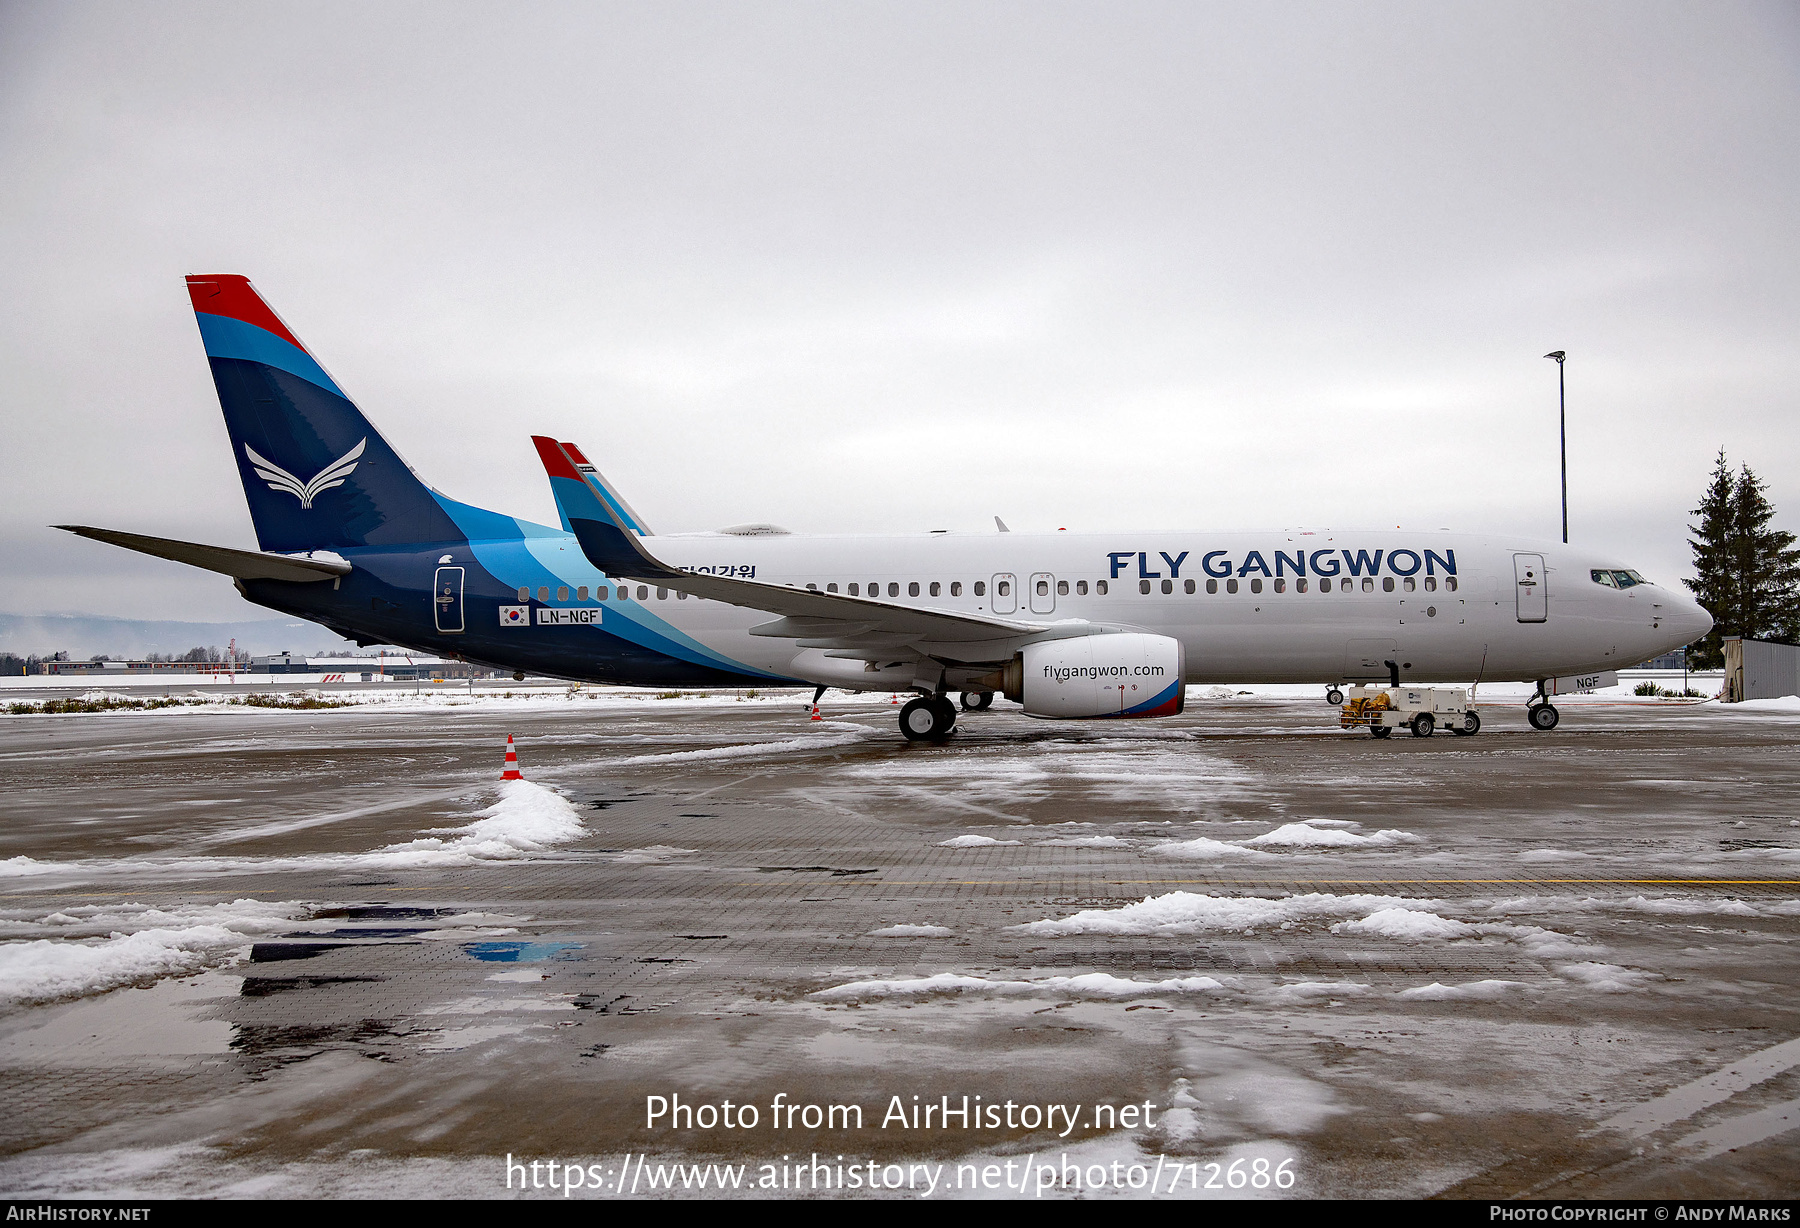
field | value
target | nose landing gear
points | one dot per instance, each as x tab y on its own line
1540	711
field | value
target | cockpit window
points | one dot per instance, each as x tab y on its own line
1603	577
1625	579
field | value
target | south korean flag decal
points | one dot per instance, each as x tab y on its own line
515	616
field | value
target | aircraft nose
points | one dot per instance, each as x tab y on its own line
1693	621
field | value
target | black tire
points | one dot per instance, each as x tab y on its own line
1544	717
1334	697
1381	731
919	720
1471	725
1424	725
946	716
977	701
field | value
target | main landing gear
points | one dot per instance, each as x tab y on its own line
929	718
977	701
1540	711
1334	697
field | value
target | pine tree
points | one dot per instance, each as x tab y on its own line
1715	570
1746	573
1768	564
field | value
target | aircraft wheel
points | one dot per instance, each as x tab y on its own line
1544	716
977	701
1381	731
1423	725
1471	724
919	720
1334	697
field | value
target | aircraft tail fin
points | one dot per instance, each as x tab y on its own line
316	472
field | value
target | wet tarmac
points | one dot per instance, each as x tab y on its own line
323	952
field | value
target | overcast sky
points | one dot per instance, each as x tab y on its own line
865	267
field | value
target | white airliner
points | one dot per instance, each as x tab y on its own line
1070	625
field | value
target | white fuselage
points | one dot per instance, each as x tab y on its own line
1283	606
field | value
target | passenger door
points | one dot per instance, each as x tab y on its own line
1006	594
1528	584
447	600
1043	593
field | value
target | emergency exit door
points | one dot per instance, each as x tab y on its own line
447	600
1528	584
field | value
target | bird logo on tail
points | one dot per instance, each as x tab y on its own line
331	475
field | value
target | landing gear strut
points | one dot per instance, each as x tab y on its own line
1541	712
928	719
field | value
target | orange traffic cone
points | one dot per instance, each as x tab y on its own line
512	762
815	714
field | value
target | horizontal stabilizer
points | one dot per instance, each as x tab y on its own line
240	564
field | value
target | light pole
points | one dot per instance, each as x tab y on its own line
1562	426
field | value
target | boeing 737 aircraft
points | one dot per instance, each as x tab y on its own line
1070	625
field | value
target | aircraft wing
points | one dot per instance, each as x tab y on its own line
240	564
850	627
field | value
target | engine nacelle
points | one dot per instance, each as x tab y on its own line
1119	675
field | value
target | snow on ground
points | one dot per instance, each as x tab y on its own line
1203	848
971	842
1308	834
1406	923
1185	912
912	931
1092	985
102	947
1086	842
1606	978
529	820
1479	990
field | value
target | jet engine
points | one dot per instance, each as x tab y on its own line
1122	674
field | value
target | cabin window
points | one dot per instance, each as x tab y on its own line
1168	586
581	593
1281	586
1187	586
1143	586
1231	586
1431	584
831	588
662	594
956	588
1300	585
1043	588
1450	584
524	594
600	592
1212	586
1062	588
1324	585
812	588
912	590
562	592
936	588
681	593
1387	584
981	588
893	588
543	592
1256	585
643	592
1003	588
855	588
1081	588
1408	584
1368	585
